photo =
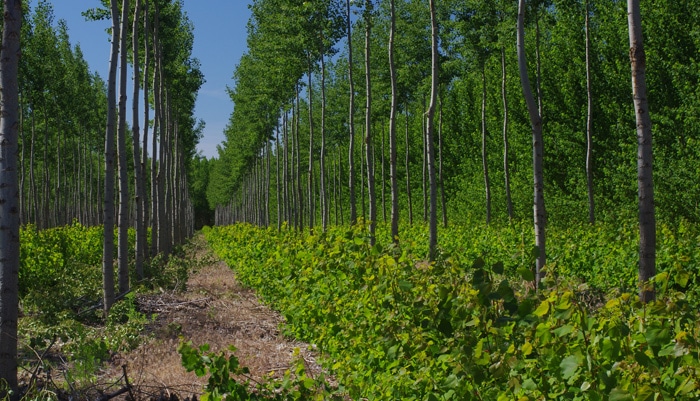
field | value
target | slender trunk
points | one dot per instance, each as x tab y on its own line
300	193
645	182
429	131
144	148
155	212
368	125
108	248
322	159
424	161
138	177
22	197
285	169
9	194
392	129
351	124
363	167
266	179
484	155
408	176
277	178
340	187
312	206
506	171
537	149
123	237
442	182
383	179
32	178
589	125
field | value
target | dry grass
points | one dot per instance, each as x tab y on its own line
215	310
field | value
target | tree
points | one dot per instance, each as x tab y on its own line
645	182
537	147
123	229
9	194
368	122
392	130
430	128
108	215
589	121
139	184
351	123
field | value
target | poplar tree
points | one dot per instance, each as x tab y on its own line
9	195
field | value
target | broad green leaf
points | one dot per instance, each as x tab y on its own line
526	274
568	366
563	330
620	395
542	309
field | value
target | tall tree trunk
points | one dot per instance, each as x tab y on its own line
645	182
285	169
383	178
484	153
351	123
108	248
144	148
32	178
300	193
312	206
429	131
424	161
123	237
441	178
368	125
589	124
322	158
408	176
155	212
9	194
392	129
506	169
277	177
138	177
537	149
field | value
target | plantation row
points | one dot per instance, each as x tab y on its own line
61	289
392	325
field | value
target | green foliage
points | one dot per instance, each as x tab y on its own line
468	326
230	381
59	268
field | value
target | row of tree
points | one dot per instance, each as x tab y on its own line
450	75
59	164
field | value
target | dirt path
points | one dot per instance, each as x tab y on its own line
216	310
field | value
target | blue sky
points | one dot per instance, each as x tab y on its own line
220	40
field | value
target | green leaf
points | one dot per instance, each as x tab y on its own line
497	267
542	309
529	385
568	366
620	395
563	330
526	274
657	337
405	285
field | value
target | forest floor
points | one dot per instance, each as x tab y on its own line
215	309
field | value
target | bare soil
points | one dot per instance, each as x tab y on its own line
213	309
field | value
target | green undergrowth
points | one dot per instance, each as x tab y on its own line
60	280
392	325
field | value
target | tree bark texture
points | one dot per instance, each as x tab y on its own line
645	182
9	194
537	148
